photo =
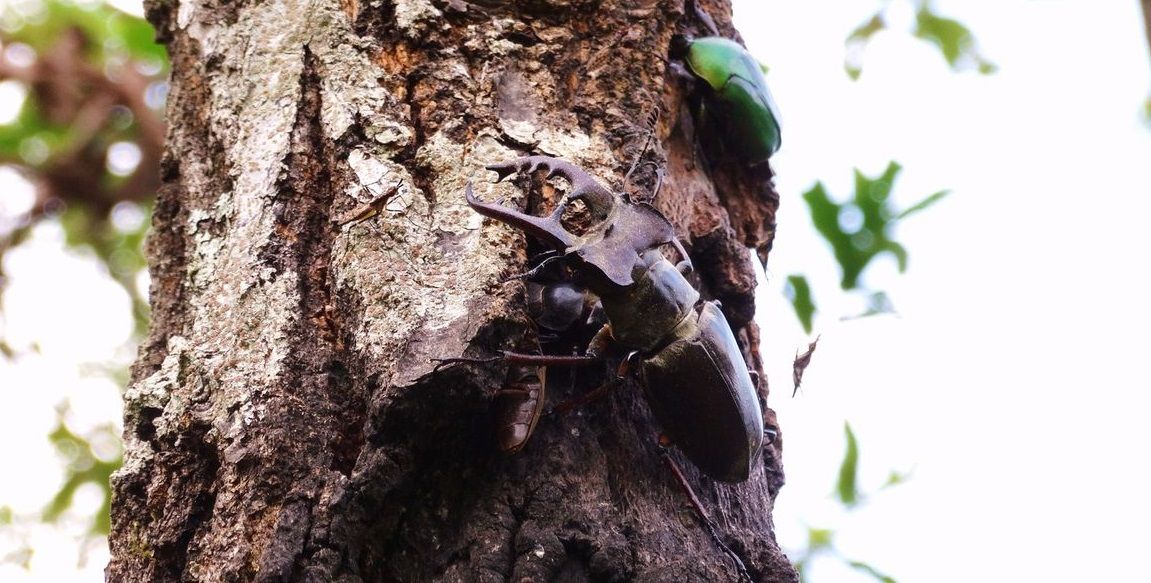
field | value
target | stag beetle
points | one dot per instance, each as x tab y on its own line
688	362
563	313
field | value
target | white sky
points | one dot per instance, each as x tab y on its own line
1011	381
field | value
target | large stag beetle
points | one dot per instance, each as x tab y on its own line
681	349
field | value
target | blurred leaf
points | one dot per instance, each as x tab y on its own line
859	229
799	292
896	478
857	40
21	556
864	31
847	487
923	204
120	250
877	303
5	515
139	37
81	466
860	566
825	217
819	538
60	140
30	140
954	39
856	245
113	33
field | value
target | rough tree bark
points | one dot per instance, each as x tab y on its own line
284	422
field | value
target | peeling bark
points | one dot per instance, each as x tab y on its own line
284	422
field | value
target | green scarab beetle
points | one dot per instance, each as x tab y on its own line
739	99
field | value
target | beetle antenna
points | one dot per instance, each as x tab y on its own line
534	272
652	120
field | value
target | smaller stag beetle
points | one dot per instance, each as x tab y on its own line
563	313
689	364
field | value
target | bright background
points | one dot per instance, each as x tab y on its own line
1011	383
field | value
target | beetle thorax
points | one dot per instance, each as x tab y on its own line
643	314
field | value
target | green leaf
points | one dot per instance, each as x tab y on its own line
825	217
847	487
896	478
799	292
900	253
877	303
819	538
854	250
923	204
138	36
81	466
952	38
857	40
861	566
865	31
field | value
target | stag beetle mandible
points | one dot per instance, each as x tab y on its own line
689	364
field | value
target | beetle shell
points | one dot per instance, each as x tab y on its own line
644	315
743	103
701	393
557	306
518	406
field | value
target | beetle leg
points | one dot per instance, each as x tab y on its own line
704	18
708	524
442	363
684	266
548	359
518	358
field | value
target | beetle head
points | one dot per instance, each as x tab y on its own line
612	248
680	43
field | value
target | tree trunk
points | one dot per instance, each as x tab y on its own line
284	422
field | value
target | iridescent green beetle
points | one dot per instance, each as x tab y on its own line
738	98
